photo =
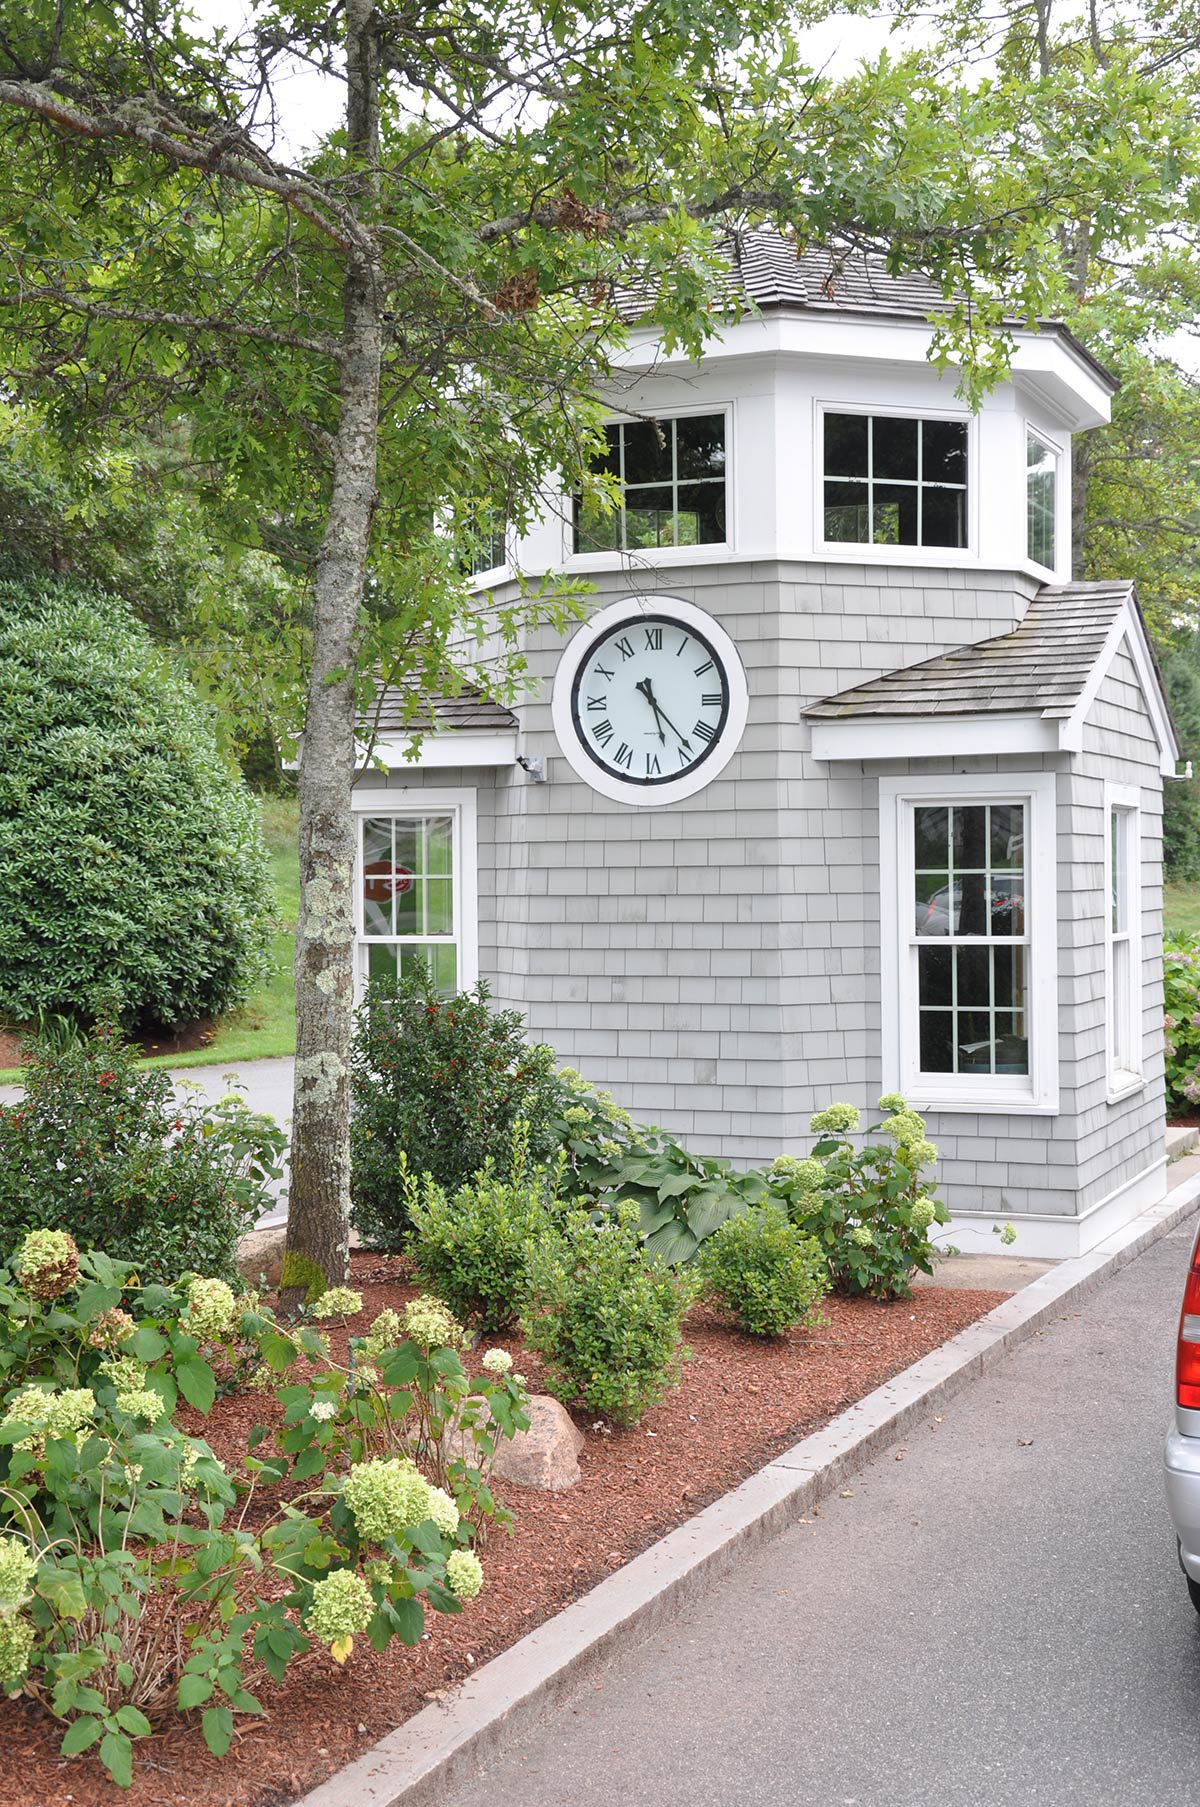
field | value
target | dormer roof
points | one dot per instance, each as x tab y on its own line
1045	671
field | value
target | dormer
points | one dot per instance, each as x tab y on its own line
815	428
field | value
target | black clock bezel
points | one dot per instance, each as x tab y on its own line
629	778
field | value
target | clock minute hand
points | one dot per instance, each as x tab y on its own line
648	693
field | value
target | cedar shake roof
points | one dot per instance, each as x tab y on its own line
470	712
766	270
1042	667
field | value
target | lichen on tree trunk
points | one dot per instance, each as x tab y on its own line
319	1201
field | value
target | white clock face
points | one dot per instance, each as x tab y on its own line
650	700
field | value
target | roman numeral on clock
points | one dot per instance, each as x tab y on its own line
711	700
600	672
653	639
703	732
625	647
597	702
603	732
707	666
624	755
652	766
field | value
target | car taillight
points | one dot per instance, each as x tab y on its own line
1187	1354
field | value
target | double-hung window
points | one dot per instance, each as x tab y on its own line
894	481
969	940
1123	940
1041	499
416	886
670	477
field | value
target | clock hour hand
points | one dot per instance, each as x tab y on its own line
643	688
644	685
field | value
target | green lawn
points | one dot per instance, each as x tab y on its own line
266	1024
1181	909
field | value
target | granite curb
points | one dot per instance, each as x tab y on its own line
418	1762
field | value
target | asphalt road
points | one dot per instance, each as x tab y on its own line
995	1620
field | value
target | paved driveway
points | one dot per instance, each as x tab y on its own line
996	1620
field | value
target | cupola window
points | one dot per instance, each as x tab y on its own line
1041	499
670	476
895	481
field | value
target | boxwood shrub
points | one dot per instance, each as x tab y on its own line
132	863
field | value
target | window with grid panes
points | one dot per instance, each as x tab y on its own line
410	913
671	479
970	937
1124	994
1041	499
890	481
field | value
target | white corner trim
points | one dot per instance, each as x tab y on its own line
455	747
1126	630
930	736
1009	1095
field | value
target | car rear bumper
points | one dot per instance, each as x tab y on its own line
1182	1473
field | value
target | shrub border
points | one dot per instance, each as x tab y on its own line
438	1747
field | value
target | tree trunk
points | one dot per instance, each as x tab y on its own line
318	1248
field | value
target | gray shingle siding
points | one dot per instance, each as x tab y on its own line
716	964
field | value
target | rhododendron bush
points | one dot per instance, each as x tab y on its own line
137	1578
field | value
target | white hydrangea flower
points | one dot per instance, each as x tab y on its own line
498	1361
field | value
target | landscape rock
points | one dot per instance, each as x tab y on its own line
261	1253
545	1456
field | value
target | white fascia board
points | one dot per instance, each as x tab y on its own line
457	748
1127	630
1049	365
932	736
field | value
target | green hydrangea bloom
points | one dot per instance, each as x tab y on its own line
464	1574
443	1511
211	1309
111	1328
906	1126
47	1264
124	1372
498	1361
16	1648
385	1332
807	1174
433	1325
863	1235
923	1213
341	1605
338	1302
17	1569
575	1113
50	1414
141	1402
386	1496
893	1101
836	1120
919	1154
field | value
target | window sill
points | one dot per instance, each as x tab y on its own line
647	556
855	552
1124	1085
979	1104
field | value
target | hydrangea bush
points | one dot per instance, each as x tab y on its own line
129	1588
1181	1023
869	1208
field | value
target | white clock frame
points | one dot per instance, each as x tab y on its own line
580	648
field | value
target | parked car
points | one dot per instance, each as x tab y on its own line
1182	1456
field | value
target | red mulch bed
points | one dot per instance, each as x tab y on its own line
740	1403
176	1038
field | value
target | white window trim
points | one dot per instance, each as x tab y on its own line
1056	452
462	805
865	551
1037	1094
1124	1082
634	557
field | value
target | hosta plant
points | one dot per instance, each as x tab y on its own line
135	1581
869	1208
